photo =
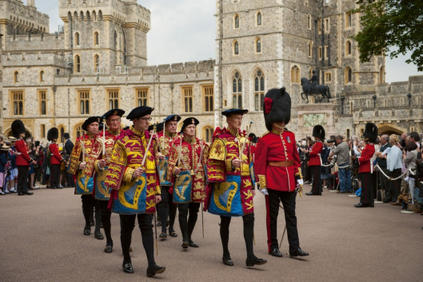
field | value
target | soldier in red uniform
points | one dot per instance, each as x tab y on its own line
365	168
23	160
55	158
231	191
315	161
277	169
166	209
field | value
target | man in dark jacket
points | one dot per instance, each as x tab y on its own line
67	151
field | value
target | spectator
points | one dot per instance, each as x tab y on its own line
68	146
31	153
3	163
13	169
381	162
342	153
410	158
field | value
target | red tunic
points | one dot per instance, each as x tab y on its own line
365	157
55	158
22	158
277	148
316	149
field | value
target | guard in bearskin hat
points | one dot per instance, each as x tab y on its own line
55	158
365	168
277	167
315	161
23	160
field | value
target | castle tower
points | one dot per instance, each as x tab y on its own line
105	37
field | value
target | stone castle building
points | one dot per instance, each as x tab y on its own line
99	61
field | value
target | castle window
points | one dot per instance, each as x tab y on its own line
295	74
208	134
326	52
43	131
208	98
319	26
348	19
382	75
84	102
348	75
42	94
113	98
310	49
16	77
309	22
17	102
187	96
142	96
258	45
236	21
348	48
328	76
77	64
320	53
259	91
326	25
258	19
76	38
96	39
96	62
41	76
236	48
237	91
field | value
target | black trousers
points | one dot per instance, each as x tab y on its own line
127	224
54	175
187	223
23	179
316	187
248	221
394	186
105	214
367	188
163	207
88	203
272	205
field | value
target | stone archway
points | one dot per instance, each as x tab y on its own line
388	128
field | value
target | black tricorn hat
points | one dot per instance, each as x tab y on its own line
277	107
370	132
17	128
90	120
172	118
139	112
52	134
230	112
189	121
114	112
319	132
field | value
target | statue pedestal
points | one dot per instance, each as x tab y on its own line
309	115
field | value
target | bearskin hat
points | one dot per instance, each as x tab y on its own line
277	107
52	134
370	132
17	128
319	132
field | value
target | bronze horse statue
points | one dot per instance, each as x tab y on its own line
313	89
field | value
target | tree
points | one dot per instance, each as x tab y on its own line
391	27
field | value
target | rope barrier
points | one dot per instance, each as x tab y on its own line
406	173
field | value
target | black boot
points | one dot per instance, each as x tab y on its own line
97	232
109	247
183	224
155	269
224	237
193	215
255	261
87	230
127	267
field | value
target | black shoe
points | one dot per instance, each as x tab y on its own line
227	261
98	235
276	253
185	244
255	261
87	230
20	194
109	248
312	194
28	193
155	269
192	244
361	205
163	236
127	267
172	233
298	253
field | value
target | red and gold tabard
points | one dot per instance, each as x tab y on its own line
133	196
191	157
164	142
102	192
223	176
86	149
277	161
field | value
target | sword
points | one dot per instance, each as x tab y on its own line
284	230
202	219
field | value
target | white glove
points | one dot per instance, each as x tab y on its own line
300	182
264	191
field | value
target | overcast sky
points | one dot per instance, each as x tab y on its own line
185	30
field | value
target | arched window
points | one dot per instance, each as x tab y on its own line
258	45
76	38
208	134
96	62
382	75
94	16
41	76
236	21
100	15
115	40
348	75
16	77
237	91
295	74
348	48
258	19
96	39
77	64
259	91
236	48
